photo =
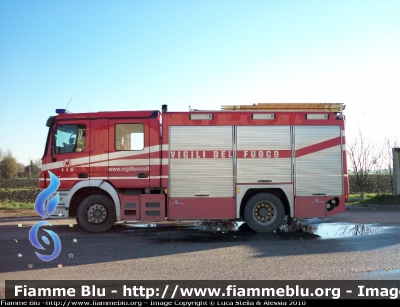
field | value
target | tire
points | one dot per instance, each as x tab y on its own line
264	212
96	213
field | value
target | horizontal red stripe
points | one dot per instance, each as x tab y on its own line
228	154
260	154
241	154
200	154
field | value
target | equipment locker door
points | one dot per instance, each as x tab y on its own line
201	161
318	164
264	154
129	153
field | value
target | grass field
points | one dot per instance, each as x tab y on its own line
373	198
15	205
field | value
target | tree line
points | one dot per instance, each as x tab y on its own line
371	164
10	168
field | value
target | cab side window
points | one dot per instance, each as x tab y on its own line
69	138
129	137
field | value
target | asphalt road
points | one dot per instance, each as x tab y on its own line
354	245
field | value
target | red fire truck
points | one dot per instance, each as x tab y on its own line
254	163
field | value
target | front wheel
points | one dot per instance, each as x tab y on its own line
264	212
96	213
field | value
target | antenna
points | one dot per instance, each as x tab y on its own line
69	102
136	94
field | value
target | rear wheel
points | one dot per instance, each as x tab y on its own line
96	213
264	212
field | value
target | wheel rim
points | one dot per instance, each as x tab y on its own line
96	213
264	212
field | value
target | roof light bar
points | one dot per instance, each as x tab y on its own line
62	111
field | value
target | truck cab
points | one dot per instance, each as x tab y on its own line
110	157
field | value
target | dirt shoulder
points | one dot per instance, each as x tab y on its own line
7	213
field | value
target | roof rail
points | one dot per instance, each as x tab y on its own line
335	107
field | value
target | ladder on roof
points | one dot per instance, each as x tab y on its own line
334	107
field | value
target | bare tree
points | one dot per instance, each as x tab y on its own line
383	168
379	176
363	158
388	158
382	178
1	159
38	162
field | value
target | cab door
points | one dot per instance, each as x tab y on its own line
69	148
129	153
99	149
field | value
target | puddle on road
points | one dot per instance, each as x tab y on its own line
387	274
215	230
328	231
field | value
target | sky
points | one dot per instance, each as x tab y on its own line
139	54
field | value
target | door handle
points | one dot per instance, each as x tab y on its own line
83	175
143	175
